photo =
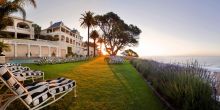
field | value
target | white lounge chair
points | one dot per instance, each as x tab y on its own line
34	96
25	73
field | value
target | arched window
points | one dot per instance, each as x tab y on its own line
62	38
71	41
56	37
67	39
23	25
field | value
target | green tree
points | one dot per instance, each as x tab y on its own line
37	30
87	20
130	52
94	35
8	7
4	47
117	34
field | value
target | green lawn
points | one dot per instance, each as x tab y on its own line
102	87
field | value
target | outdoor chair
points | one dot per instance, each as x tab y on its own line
34	96
25	73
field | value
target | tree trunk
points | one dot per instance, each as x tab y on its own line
94	48
101	48
88	43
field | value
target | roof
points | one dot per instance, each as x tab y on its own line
19	18
57	24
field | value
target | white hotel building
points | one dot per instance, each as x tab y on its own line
25	45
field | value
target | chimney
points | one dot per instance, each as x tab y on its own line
51	23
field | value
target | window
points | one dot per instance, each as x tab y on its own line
67	39
56	37
71	41
62	38
23	25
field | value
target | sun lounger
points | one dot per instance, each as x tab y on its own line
25	73
37	95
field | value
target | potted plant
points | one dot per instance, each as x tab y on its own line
3	47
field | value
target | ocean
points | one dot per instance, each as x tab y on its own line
211	63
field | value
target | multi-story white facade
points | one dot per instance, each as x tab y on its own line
20	29
23	43
67	38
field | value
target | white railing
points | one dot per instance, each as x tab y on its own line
10	27
23	29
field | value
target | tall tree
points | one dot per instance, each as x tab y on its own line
87	20
8	7
94	35
37	30
117	34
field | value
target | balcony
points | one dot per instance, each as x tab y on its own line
9	29
23	30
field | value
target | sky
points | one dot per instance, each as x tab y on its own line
169	27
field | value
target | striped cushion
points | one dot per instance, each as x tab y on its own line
39	92
56	86
33	73
39	97
8	77
60	85
12	64
58	80
21	73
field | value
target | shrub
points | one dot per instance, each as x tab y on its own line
186	87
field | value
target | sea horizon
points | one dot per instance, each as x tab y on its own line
211	63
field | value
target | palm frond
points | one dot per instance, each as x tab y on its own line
22	11
33	2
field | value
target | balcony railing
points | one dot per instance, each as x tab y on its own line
23	29
10	27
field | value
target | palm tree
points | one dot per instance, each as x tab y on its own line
8	7
4	47
88	21
94	35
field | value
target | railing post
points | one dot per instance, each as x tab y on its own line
29	51
40	51
15	50
49	51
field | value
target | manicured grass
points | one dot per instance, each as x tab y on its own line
102	87
140	94
53	71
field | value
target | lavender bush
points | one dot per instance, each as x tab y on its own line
186	87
